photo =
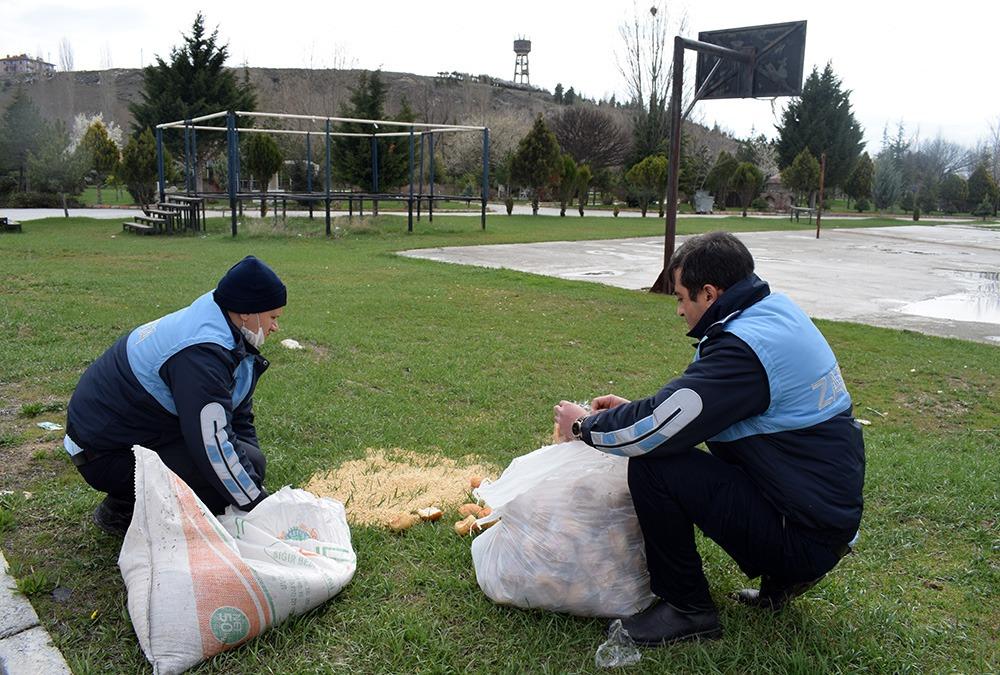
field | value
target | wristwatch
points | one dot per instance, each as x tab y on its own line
577	428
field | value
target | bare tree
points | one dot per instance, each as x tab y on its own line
342	59
106	62
65	55
993	149
462	153
645	38
591	136
646	63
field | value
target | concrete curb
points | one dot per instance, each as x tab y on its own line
25	647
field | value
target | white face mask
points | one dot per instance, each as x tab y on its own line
256	339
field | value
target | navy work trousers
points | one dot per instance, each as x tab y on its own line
674	493
114	473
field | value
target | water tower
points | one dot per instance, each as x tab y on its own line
522	47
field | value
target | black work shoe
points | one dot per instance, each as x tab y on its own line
663	623
113	516
774	594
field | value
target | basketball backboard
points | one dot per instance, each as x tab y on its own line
779	51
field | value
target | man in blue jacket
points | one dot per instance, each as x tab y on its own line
182	386
780	489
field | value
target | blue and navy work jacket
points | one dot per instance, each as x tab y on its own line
764	391
186	379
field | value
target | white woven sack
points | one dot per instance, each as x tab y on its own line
200	584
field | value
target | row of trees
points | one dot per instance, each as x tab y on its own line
42	163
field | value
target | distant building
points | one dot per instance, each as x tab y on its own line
22	63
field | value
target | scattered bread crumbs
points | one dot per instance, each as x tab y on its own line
387	483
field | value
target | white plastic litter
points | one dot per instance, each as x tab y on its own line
289	343
618	650
568	539
49	426
200	584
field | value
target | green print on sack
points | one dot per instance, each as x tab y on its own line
229	625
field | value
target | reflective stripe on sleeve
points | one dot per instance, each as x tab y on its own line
223	457
668	418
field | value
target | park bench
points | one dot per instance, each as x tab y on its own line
191	208
7	225
169	216
795	211
145	225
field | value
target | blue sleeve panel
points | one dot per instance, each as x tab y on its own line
813	475
201	380
726	385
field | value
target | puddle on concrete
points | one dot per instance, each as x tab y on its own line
980	304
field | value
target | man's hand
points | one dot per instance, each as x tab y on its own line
607	402
567	412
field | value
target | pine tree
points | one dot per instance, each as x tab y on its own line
747	181
720	176
647	180
983	187
138	167
821	120
859	183
52	168
352	155
538	162
886	183
194	82
262	160
22	133
802	176
583	178
954	193
99	154
567	182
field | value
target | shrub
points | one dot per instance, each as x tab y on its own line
760	204
38	200
984	209
615	211
862	205
509	204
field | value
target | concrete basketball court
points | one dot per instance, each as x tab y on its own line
941	280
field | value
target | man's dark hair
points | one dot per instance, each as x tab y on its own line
716	258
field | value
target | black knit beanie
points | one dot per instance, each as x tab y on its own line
249	287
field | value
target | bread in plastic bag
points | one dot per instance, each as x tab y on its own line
568	539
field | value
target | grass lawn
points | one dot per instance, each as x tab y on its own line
109	197
456	360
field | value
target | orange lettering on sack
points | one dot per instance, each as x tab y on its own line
232	607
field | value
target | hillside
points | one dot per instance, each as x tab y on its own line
285	90
508	112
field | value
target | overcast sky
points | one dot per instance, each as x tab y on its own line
933	66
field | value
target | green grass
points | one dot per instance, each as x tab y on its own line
456	360
109	197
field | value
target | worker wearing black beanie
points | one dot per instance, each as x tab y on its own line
182	386
250	286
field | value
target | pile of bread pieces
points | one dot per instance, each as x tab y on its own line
470	512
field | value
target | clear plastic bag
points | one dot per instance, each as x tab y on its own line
618	650
568	539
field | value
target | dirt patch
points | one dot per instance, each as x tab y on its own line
21	465
387	483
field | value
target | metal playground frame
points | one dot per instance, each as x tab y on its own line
412	130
